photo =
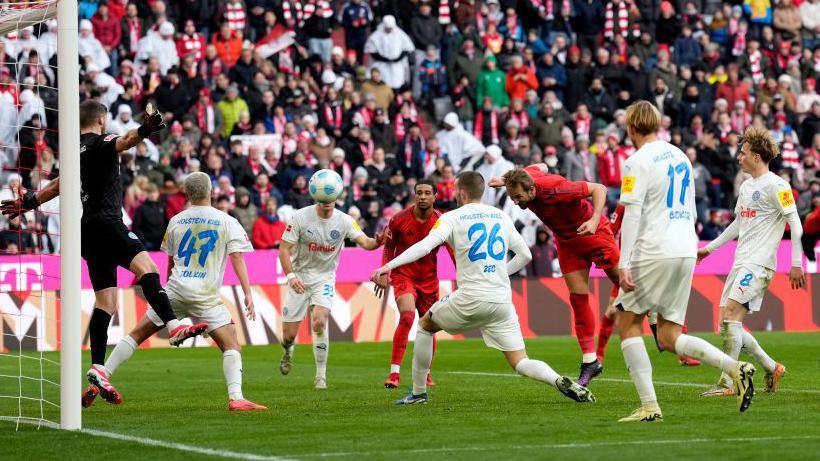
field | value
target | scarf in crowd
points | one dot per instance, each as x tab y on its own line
521	117
401	126
623	20
585	162
444	12
333	115
205	119
791	159
367	150
191	44
547	9
755	68
235	16
739	47
134	34
479	126
279	122
582	125
740	121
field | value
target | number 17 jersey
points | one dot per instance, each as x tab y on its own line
199	240
658	177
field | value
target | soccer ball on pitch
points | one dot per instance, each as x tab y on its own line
325	186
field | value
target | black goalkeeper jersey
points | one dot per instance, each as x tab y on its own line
101	193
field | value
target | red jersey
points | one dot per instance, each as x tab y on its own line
403	232
560	204
616	220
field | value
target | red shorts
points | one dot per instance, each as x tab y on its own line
425	296
581	252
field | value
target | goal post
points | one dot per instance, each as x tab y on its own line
68	103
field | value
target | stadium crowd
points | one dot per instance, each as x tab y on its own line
261	93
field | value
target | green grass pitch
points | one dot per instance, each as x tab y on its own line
478	410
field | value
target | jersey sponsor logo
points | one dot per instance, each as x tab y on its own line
109	137
321	248
786	198
747	212
627	184
756	195
335	234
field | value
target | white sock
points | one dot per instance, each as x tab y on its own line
232	368
701	349
731	331
538	371
289	347
422	357
395	368
121	353
640	369
321	344
589	357
172	324
752	348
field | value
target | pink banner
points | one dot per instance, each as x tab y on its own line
42	272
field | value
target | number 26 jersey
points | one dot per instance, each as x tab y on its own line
658	177
199	240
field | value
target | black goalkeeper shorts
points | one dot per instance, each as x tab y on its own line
106	244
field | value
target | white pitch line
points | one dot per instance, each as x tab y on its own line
159	443
619	380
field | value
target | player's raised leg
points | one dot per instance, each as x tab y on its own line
321	343
225	338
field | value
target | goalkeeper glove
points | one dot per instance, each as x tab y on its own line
152	123
14	208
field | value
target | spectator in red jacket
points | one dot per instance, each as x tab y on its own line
520	79
191	42
108	31
734	89
228	44
268	229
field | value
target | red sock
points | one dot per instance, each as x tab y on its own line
400	336
684	329
584	321
603	336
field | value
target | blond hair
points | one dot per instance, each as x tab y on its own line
760	142
643	117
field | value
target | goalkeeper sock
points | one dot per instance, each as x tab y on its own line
538	371
158	299
422	357
701	349
400	339
121	353
232	368
640	369
98	332
321	344
752	348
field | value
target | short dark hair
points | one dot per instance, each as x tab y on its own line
472	183
518	177
90	111
426	182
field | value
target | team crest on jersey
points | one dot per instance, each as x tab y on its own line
628	184
335	234
786	198
756	195
109	137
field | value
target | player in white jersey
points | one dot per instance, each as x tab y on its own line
480	236
199	242
658	254
763	207
309	255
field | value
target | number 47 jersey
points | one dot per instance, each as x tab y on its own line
199	240
480	236
658	177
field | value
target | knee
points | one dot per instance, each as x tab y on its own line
667	340
318	324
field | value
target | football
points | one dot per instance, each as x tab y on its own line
325	186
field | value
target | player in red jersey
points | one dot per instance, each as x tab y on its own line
582	236
609	316
415	286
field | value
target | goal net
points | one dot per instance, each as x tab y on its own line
40	337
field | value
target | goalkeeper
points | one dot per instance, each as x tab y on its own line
105	241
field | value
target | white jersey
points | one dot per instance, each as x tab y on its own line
659	178
480	236
318	242
761	212
200	240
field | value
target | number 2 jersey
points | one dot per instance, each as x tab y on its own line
480	236
200	240
318	242
658	177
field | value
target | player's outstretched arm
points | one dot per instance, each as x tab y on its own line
294	281
412	254
241	271
30	200
729	234
598	194
367	243
152	123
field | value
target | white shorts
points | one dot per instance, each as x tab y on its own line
215	315
663	287
747	284
317	294
498	322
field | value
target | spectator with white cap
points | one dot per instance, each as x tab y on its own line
90	48
388	48
458	145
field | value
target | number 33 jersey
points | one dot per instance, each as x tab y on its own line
199	240
658	177
480	236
